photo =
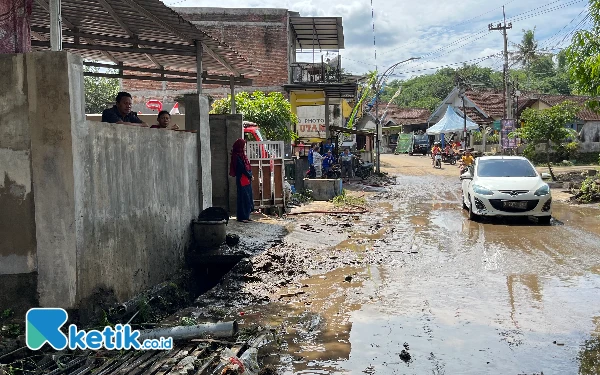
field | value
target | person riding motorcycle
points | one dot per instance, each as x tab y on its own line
434	151
466	161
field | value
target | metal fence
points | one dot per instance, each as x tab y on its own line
267	162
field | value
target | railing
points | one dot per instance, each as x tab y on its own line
316	73
264	150
266	160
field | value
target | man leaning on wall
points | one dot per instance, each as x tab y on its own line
121	112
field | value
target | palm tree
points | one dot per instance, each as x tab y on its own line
527	50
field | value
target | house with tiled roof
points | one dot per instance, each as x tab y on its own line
486	106
482	107
398	120
587	122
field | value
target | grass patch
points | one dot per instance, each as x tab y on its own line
346	199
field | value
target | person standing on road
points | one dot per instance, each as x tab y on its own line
346	159
317	162
327	147
239	168
328	161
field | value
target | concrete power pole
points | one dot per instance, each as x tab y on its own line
508	113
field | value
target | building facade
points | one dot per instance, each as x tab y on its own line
263	36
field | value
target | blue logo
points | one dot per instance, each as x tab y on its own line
43	325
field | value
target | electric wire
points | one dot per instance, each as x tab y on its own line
550	40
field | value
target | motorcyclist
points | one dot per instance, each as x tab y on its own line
434	151
466	161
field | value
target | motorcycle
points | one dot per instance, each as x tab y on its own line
335	171
448	158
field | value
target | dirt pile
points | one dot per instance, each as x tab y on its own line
379	179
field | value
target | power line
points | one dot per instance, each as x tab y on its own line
577	28
481	59
520	16
358	61
547	42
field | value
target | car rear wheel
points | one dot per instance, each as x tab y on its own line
472	215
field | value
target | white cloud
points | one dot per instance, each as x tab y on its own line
406	28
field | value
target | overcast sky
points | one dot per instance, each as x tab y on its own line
440	31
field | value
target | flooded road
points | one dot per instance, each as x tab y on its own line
445	295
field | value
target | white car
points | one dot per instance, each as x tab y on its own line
505	186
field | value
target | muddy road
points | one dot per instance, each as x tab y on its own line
414	287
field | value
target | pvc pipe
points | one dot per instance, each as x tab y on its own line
221	329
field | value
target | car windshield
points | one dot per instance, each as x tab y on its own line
505	168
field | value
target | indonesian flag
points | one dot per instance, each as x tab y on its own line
175	110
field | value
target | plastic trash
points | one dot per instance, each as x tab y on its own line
246	364
250	360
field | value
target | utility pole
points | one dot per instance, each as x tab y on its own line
508	113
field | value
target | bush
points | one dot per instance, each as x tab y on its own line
589	192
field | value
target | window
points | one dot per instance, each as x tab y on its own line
505	168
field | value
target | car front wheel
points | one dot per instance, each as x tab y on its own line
545	220
472	215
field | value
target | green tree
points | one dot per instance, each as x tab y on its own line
527	50
547	127
583	56
428	91
99	90
272	112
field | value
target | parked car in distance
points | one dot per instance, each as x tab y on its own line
505	186
420	144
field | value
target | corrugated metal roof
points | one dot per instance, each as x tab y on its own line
322	33
139	33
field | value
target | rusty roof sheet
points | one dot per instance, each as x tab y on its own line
491	102
113	28
405	116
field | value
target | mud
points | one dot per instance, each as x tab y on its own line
414	287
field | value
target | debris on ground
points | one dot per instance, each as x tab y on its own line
405	356
379	179
199	355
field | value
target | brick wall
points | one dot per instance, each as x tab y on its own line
260	35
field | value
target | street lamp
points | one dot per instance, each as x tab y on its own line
377	121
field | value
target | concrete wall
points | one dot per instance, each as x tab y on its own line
224	131
83	204
18	260
135	199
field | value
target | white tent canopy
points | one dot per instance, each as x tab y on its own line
451	123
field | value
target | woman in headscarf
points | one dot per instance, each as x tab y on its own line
240	169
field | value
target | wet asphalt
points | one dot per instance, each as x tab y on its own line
435	293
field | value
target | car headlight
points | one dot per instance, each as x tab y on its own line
481	190
544	190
